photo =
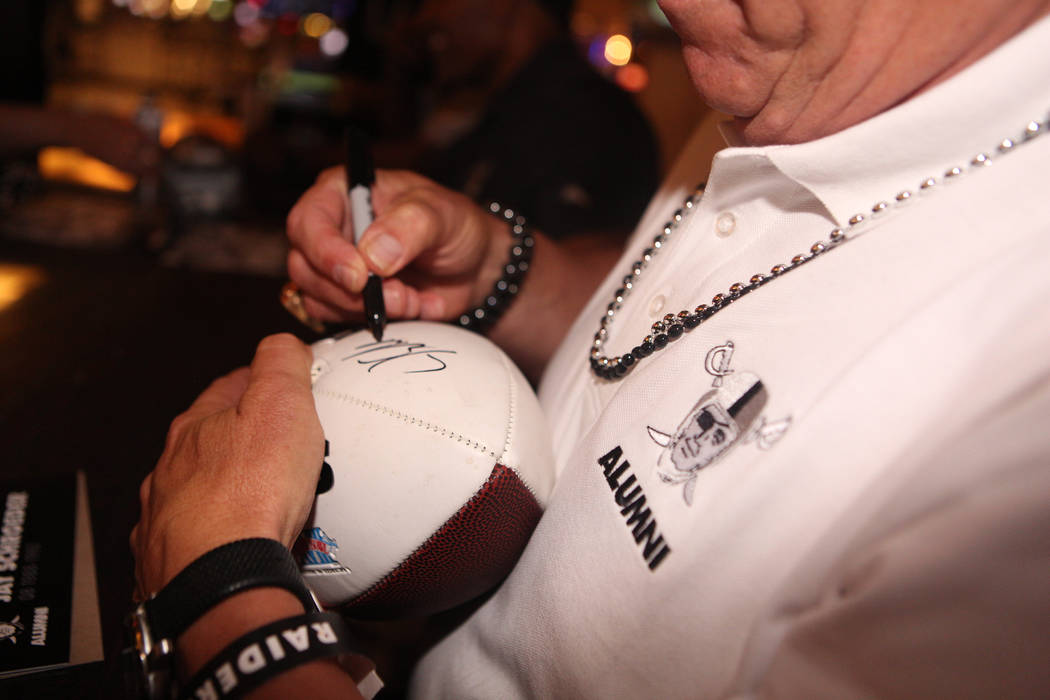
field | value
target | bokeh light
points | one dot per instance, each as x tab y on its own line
316	25
157	9
334	42
245	14
633	77
181	8
16	281
596	51
618	50
154	9
220	10
254	35
201	7
73	165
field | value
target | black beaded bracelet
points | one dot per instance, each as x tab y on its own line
508	285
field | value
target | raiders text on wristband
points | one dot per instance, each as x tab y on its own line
267	652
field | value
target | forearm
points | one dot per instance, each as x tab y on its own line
561	278
242	461
248	611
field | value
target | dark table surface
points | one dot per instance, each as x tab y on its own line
94	364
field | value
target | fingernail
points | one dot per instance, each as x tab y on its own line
346	276
384	251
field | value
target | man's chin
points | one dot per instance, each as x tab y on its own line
763	130
740	131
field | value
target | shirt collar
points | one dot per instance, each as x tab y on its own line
944	127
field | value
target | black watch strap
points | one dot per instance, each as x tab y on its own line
219	574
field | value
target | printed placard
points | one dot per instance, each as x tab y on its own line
37	539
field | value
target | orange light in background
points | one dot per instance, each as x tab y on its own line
174	127
633	77
227	130
16	281
618	50
201	7
316	25
73	165
181	8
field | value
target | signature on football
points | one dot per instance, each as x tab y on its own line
395	350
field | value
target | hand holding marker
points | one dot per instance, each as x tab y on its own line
360	176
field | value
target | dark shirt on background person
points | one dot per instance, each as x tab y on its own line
561	144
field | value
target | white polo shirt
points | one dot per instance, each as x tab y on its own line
845	472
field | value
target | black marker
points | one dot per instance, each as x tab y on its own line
360	176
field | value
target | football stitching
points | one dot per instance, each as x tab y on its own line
512	417
411	420
512	397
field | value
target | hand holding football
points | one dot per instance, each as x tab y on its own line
441	465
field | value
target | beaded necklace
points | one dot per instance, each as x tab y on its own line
674	326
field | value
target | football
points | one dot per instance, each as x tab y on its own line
438	466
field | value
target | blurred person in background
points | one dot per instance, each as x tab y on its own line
488	97
513	112
825	477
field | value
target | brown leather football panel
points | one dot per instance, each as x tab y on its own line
472	552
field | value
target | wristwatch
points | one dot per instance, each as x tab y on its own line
155	624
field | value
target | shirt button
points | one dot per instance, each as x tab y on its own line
725	224
656	306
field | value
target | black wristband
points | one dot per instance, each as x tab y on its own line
269	651
219	574
154	625
509	283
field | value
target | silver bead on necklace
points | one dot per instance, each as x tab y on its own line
674	326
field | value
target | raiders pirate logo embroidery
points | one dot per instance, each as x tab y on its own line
9	630
728	414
